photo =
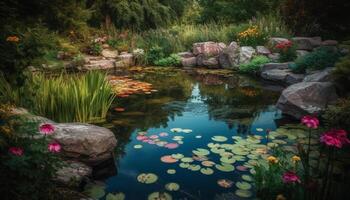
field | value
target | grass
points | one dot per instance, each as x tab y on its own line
66	98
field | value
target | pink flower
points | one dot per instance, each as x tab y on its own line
54	147
290	177
17	151
310	121
335	138
47	129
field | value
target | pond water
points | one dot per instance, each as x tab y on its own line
190	111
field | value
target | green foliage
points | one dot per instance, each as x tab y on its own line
272	25
321	58
155	54
66	98
254	65
95	48
338	115
341	74
173	60
252	37
27	176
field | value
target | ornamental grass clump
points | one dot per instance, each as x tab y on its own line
252	36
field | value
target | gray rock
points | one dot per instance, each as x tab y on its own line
229	58
274	57
127	59
84	142
109	53
102	64
330	43
270	66
211	63
209	49
320	76
306	43
306	98
293	78
285	76
246	54
185	54
275	40
189	62
301	53
261	50
73	173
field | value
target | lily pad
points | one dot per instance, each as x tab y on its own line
171	145
201	152
147	178
172	187
118	196
217	151
198	136
171	171
227	160
225	183
184	165
177	156
186	159
247	178
219	138
95	191
194	167
168	159
225	167
207	171
259	129
186	130
208	163
159	196
213	145
243	185
243	193
138	146
176	130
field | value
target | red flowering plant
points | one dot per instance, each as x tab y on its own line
29	160
287	51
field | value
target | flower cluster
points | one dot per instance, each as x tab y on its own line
290	177
45	129
252	31
272	160
335	138
13	38
310	121
284	45
295	159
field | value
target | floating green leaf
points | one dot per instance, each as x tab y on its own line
243	185
219	138
186	159
177	156
171	171
118	196
227	160
184	165
207	171
201	152
194	167
147	178
243	193
138	146
95	191
172	187
159	196
225	167
247	178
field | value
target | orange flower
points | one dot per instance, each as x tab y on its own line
12	39
272	160
295	159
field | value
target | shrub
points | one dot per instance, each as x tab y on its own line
172	60
95	48
254	65
341	74
155	54
139	56
252	37
287	51
319	59
338	115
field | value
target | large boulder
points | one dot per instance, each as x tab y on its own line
189	62
275	40
211	63
73	174
185	54
330	43
285	76
306	98
274	57
307	43
261	50
229	58
109	53
246	54
320	76
208	49
85	142
126	59
97	63
270	66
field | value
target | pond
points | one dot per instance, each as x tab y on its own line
189	133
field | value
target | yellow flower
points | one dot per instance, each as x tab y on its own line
272	159
295	159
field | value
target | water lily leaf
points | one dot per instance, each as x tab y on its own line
142	133
259	129
239	158
227	160
201	152
171	145
172	187
186	159
252	171
247	178
207	171
180	142
198	136
177	138
147	178
194	167
213	145
200	158
217	151
225	183
177	156
95	191
226	154
171	171
138	146
219	138
118	196
243	185
242	168
168	159
208	163
176	130
186	130
279	141
225	167
243	193
159	196
184	165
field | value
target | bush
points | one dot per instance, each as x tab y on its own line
27	163
341	74
173	60
139	56
254	65
95	48
338	115
252	37
287	51
319	59
154	54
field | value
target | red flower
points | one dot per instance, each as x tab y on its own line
310	121
290	177
17	151
54	147
47	129
335	138
284	45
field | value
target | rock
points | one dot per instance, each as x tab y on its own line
330	43
73	173
109	53
306	98
229	58
84	142
274	57
301	53
261	50
275	40
105	46
306	43
189	62
185	54
98	65
320	76
285	76
293	78
208	48
127	59
246	54
270	66
211	63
